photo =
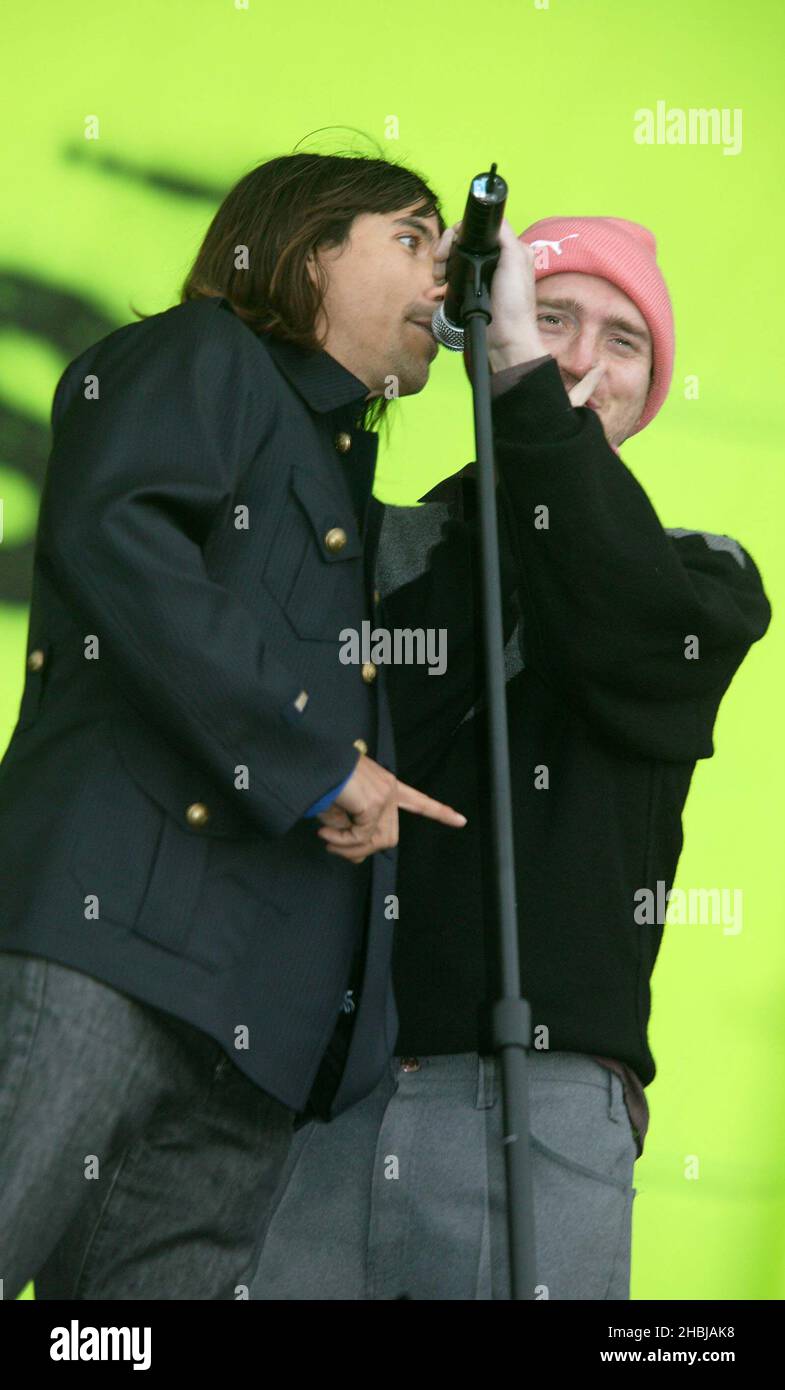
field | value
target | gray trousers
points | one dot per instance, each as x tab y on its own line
136	1160
404	1194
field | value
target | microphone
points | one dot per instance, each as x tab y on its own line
479	236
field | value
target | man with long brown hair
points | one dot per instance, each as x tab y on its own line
185	965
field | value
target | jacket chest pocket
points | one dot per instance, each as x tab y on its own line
314	568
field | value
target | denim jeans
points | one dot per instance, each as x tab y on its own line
136	1160
404	1194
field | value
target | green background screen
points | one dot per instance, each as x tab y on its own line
189	96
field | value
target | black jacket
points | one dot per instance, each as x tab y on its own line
604	705
206	531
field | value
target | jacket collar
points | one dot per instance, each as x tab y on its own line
323	383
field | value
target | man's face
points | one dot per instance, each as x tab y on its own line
379	283
583	319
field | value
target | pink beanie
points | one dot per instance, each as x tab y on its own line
625	254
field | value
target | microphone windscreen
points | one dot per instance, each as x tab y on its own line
450	335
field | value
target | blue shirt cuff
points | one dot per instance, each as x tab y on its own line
328	798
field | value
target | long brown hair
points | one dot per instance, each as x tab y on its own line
283	210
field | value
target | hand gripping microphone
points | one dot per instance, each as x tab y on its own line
479	236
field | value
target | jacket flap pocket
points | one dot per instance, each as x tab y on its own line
334	523
189	794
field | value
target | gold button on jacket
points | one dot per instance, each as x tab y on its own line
343	442
360	745
35	660
335	539
197	813
368	672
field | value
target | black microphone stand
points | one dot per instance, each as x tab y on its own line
511	1013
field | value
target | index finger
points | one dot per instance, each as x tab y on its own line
582	389
409	799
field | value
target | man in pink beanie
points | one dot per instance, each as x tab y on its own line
608	711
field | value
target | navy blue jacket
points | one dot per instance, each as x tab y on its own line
198	551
